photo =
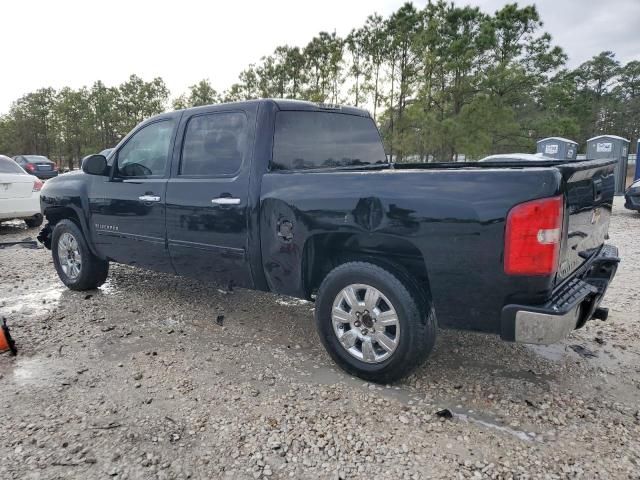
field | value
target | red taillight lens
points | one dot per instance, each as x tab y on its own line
37	185
532	237
54	167
30	167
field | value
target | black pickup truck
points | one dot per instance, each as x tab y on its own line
299	199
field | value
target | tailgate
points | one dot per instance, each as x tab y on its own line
589	187
16	185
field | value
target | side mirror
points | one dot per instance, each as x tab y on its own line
94	165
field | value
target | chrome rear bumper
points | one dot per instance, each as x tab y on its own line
542	328
570	306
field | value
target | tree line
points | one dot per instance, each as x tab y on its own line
441	81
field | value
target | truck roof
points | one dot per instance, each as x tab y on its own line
299	105
508	157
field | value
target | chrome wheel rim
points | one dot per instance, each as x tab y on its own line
366	323
69	255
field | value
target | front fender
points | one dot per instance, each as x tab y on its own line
66	196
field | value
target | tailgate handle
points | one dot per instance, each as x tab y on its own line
597	190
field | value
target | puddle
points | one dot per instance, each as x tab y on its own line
13	224
553	353
524	436
34	371
32	303
327	375
292	302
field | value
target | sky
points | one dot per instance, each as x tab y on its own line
60	43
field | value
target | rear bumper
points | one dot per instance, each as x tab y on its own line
571	305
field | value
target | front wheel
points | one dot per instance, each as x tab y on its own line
77	267
372	323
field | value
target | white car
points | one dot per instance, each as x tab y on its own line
19	194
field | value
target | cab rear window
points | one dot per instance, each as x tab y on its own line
305	140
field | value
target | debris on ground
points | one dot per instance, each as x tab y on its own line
444	413
583	351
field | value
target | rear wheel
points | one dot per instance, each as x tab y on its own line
34	221
372	323
77	267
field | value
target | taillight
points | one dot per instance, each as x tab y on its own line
30	167
37	185
532	237
54	167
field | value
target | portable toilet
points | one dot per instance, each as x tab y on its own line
636	176
615	147
558	147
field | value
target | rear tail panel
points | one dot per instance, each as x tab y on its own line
16	186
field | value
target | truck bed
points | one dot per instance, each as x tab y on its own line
450	216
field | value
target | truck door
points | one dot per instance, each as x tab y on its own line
207	196
128	209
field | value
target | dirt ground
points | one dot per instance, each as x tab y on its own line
155	376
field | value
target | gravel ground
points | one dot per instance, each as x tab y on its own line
144	378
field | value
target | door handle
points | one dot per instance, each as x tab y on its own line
149	198
226	201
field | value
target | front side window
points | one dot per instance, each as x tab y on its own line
305	140
214	144
147	152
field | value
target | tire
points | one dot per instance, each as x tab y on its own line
92	271
34	221
417	326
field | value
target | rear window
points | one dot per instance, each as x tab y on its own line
37	158
9	166
304	140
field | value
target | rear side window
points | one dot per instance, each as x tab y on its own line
9	166
305	140
214	144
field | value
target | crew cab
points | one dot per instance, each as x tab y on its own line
299	199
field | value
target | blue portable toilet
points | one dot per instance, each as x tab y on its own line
637	174
615	147
558	148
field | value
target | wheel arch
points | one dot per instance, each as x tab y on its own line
55	213
323	252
